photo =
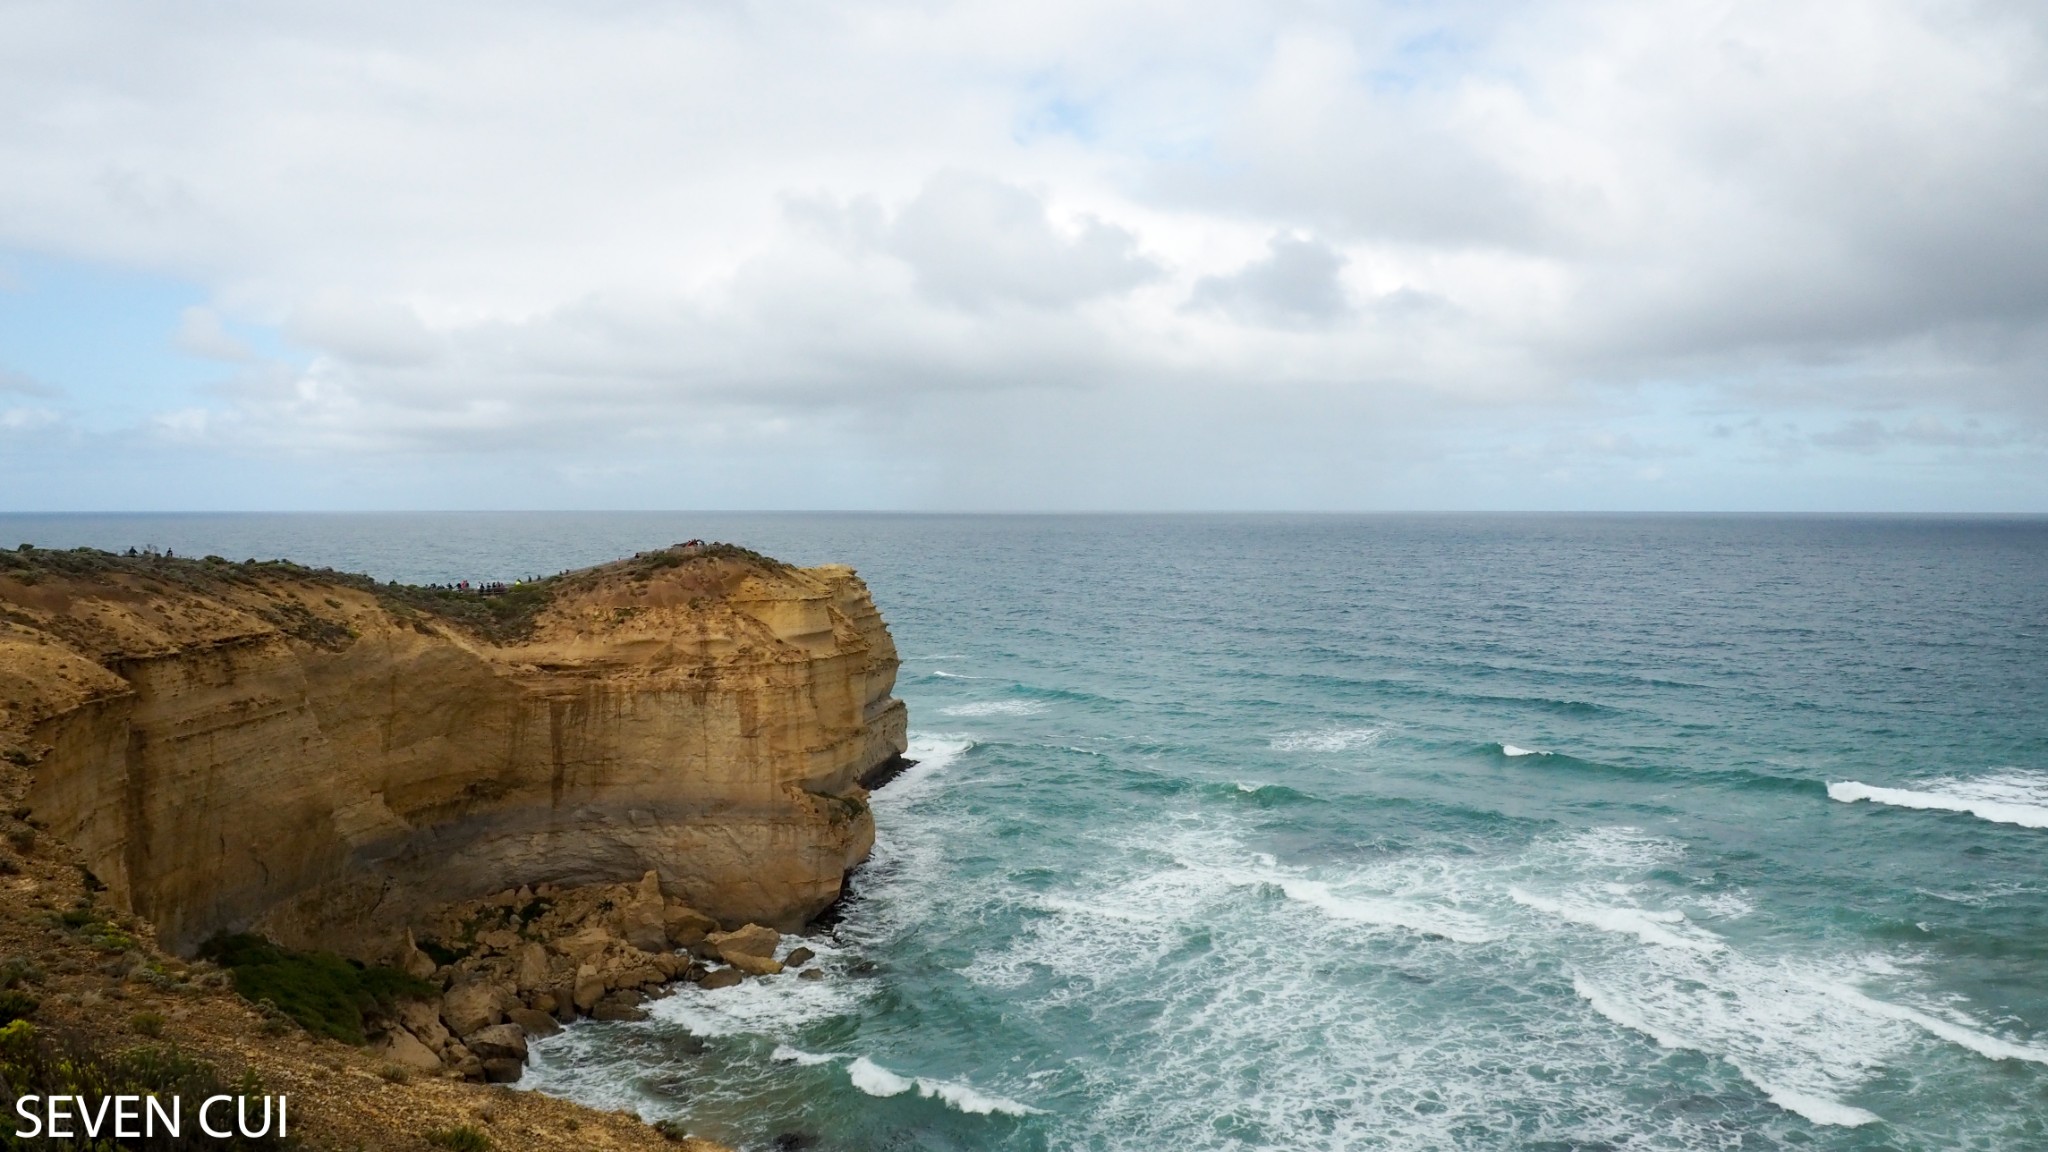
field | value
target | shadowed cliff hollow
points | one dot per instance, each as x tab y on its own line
319	757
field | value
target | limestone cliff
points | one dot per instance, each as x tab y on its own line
321	758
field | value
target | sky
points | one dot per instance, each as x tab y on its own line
1104	255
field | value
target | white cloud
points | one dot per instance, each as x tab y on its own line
201	334
1297	282
1238	231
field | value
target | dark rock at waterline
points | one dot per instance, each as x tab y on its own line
722	978
798	957
792	1141
811	974
504	1071
619	1006
886	771
535	1023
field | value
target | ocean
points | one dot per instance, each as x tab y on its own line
1375	832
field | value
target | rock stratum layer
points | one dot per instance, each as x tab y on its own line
322	759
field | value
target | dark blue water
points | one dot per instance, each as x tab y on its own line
1380	833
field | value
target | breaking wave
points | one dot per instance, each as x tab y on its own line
2009	798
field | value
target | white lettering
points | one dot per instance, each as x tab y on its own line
281	1133
60	1109
208	1128
93	1120
126	1109
25	1105
242	1117
171	1118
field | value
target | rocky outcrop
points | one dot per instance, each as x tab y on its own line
327	760
521	963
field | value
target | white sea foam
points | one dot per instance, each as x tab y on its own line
1617	847
1819	1109
876	1080
1776	1034
1982	1043
965	1098
775	1007
935	752
784	1054
1511	750
2007	798
995	708
945	675
1326	740
1428	920
1665	928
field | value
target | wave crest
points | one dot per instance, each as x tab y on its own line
2009	798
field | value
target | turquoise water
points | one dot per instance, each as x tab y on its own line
1379	833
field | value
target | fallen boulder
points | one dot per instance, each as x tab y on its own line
498	1042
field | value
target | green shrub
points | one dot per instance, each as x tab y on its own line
18	970
150	1024
17	1005
326	994
95	928
462	1138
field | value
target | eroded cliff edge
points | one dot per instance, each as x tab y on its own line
320	758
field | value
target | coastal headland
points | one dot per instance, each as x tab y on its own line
534	804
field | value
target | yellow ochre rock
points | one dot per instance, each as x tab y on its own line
322	759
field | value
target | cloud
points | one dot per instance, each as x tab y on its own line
972	241
593	238
201	334
24	419
22	384
382	333
1296	283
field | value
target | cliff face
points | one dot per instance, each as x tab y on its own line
311	756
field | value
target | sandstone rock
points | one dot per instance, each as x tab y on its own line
359	770
590	987
619	1006
503	1071
529	967
535	1023
462	1063
497	1042
641	921
638	976
752	940
546	1002
470	1007
754	965
414	962
423	1020
798	957
498	940
671	965
686	926
590	942
407	1051
722	978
